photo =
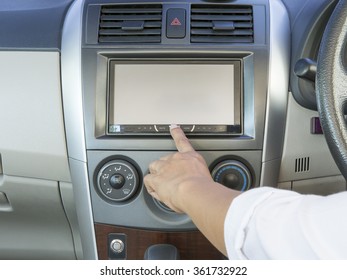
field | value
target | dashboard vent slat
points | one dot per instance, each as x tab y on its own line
205	18
133	23
302	164
211	17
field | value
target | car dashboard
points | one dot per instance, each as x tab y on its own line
89	89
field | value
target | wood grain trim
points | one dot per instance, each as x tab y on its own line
192	245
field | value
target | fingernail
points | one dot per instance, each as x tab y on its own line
173	126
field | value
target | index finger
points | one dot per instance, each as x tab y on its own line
182	143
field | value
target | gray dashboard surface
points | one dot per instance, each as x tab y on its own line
32	24
308	19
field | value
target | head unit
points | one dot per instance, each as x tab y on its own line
146	96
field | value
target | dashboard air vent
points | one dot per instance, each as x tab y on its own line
302	164
222	24
130	24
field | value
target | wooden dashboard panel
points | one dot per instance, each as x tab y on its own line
192	245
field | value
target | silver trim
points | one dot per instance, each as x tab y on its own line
72	82
1	172
73	112
279	63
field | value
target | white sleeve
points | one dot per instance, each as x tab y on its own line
268	223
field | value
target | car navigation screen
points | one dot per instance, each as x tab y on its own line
148	97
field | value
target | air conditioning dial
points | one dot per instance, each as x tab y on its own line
232	174
118	180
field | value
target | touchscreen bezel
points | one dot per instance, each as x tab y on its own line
191	129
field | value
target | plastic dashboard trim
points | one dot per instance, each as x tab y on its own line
74	118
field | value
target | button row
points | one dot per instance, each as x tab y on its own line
143	129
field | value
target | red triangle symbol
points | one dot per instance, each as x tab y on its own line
176	21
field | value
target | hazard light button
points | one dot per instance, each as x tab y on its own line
176	23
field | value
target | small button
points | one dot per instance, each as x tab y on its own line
162	128
129	128
200	128
117	246
221	128
316	127
150	128
176	23
115	128
187	128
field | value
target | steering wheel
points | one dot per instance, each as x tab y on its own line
331	85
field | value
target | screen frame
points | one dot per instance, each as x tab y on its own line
235	129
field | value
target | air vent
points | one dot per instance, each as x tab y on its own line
221	24
302	165
130	24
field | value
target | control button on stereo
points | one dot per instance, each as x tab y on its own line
148	128
203	128
162	128
232	174
129	128
118	180
114	128
220	128
208	128
187	127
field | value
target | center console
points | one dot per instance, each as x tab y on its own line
129	70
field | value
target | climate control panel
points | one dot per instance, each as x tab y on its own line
232	174
118	180
119	197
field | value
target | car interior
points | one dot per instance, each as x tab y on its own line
88	89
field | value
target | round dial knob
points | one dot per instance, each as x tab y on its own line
118	180
232	174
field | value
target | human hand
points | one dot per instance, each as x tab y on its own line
171	176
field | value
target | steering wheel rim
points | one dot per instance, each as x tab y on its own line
331	84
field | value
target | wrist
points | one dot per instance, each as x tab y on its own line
193	191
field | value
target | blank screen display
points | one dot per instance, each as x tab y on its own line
172	93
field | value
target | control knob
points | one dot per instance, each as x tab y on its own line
118	180
232	174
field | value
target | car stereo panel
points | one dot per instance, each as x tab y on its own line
145	97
